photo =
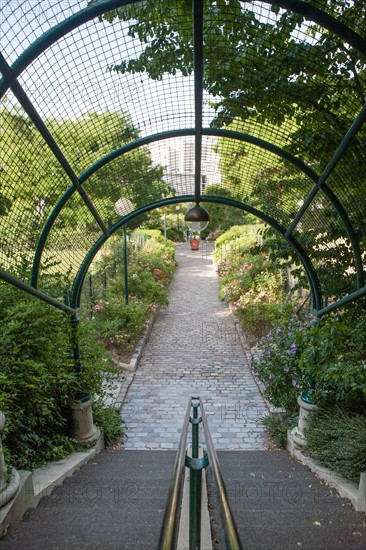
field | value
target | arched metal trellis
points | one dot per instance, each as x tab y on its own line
266	99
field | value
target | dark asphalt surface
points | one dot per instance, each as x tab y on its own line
117	501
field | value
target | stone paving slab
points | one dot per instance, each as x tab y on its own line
194	350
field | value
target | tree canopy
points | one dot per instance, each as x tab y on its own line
30	193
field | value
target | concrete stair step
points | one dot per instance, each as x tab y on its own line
72	515
80	536
278	503
104	493
116	501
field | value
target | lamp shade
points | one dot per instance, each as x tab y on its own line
123	207
197	218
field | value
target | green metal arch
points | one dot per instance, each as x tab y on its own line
208	132
98	8
319	185
145	141
311	274
83	178
94	10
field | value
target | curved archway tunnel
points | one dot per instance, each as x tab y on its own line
254	105
118	120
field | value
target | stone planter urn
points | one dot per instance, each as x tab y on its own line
306	408
9	477
195	244
85	430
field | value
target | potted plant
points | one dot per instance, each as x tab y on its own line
194	242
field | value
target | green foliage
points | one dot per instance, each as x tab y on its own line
32	180
331	355
243	236
237	25
109	420
39	378
334	274
260	317
150	269
120	324
277	424
335	354
250	282
277	364
151	233
337	439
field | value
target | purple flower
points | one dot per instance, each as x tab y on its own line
270	376
294	383
286	369
292	350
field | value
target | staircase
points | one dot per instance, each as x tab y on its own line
116	501
279	504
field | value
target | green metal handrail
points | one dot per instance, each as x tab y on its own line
169	530
232	539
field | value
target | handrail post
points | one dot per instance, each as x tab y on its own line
232	540
169	530
195	486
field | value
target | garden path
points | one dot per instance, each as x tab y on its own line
117	500
194	350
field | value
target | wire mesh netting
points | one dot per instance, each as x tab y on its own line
268	93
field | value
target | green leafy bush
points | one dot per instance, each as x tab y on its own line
120	324
337	440
277	365
259	318
335	354
246	234
109	420
150	269
38	378
252	283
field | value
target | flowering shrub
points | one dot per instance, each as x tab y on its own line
150	269
277	364
335	353
120	324
255	288
38	379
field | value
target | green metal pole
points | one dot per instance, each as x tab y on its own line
164	226
306	395
91	297
125	262
75	342
195	489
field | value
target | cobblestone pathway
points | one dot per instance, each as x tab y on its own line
193	350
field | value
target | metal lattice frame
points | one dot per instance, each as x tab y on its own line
72	46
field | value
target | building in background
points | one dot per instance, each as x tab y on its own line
177	156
